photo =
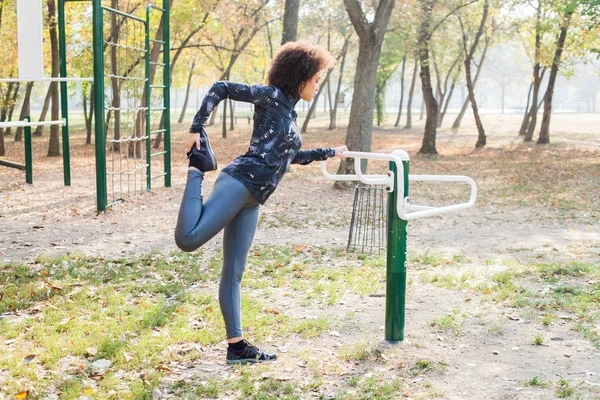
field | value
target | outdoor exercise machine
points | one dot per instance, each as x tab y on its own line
133	45
400	211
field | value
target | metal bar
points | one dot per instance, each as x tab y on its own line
28	154
11	164
147	92
157	86
157	109
157	41
123	14
167	93
395	299
19	124
158	131
157	154
64	99
6	80
159	175
165	5
99	128
157	63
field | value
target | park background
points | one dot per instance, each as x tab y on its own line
502	299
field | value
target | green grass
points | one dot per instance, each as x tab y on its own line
452	322
536	381
75	310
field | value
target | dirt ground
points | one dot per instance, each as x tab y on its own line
47	218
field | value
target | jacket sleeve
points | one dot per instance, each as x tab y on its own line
305	157
221	90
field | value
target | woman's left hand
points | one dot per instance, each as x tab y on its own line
340	150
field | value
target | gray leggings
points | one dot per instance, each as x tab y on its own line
229	206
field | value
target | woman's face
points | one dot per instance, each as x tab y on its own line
310	88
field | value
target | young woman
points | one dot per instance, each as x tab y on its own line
251	178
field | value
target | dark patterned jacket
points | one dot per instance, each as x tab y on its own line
275	142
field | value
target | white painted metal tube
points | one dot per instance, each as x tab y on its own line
19	124
432	211
47	80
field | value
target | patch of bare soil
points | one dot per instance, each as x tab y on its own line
536	204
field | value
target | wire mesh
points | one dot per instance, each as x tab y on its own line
368	225
124	82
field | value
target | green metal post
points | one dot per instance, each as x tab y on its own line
64	105
167	93
99	132
147	82
28	155
396	264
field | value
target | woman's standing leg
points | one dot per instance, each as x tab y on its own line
237	240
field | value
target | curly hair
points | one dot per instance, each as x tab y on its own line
295	64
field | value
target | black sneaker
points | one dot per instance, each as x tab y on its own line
204	158
248	354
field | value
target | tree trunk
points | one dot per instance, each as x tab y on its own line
231	115
429	136
11	107
54	146
313	106
536	76
463	109
371	35
116	91
40	129
545	128
447	102
224	131
481	138
526	116
187	91
401	91
4	106
25	110
333	113
290	21
411	96
90	118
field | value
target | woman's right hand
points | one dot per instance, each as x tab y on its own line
193	139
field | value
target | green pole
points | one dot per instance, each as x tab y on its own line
28	155
147	82
99	132
395	306
64	106
167	93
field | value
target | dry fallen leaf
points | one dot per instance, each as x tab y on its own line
22	395
163	368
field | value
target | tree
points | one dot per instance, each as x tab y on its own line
54	145
410	95
290	21
237	29
371	35
469	53
401	91
25	109
560	42
431	104
530	118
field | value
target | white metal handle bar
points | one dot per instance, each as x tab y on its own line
415	211
405	210
19	124
56	79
